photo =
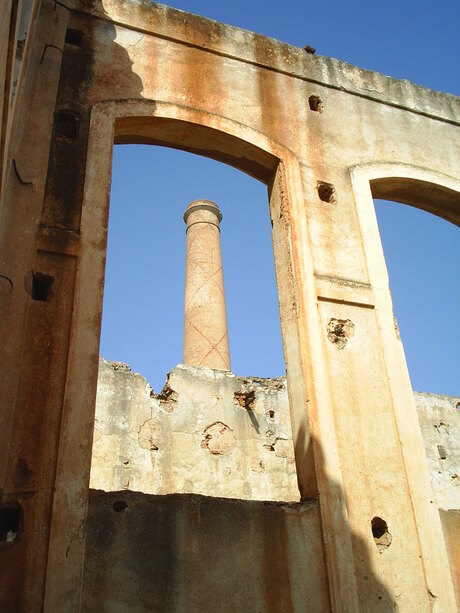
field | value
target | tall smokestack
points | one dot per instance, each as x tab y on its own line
205	318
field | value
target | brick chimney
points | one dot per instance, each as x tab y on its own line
205	318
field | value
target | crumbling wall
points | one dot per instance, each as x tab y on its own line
213	433
208	432
439	418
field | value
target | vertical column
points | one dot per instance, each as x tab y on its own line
205	318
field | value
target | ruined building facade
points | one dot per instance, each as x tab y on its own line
351	517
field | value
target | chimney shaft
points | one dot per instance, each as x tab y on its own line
205	319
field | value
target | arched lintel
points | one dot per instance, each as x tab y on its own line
196	131
420	187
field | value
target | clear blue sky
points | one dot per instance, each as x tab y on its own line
151	186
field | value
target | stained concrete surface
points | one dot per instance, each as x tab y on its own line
194	553
208	432
451	526
439	418
213	433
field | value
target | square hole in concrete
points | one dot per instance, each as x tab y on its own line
41	287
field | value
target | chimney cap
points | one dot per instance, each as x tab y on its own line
207	205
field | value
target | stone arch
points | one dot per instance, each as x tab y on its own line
197	131
420	187
416	186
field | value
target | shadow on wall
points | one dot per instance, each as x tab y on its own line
94	68
375	597
33	460
192	553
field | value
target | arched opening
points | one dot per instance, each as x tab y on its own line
224	140
423	258
419	193
231	436
262	164
422	268
439	194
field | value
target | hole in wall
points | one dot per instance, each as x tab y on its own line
326	192
10	522
316	104
74	37
245	399
382	537
42	287
442	452
442	427
67	126
20	49
379	527
339	331
119	506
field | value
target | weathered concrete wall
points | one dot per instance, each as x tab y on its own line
209	432
213	433
133	71
451	527
194	553
17	25
171	553
439	418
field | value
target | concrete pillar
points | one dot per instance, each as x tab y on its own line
205	318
